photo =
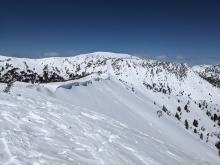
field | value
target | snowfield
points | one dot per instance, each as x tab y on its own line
113	117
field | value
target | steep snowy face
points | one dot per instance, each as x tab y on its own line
211	73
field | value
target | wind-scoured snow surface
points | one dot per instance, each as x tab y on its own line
111	116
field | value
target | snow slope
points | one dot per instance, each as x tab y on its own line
107	108
103	123
211	73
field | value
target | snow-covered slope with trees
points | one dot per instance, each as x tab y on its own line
211	73
106	108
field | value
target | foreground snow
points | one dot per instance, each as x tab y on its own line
101	122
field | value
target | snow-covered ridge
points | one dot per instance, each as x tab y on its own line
156	75
211	73
106	108
62	66
94	54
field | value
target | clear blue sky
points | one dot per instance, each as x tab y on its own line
179	29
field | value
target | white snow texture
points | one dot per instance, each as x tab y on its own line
110	116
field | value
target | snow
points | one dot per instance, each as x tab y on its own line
208	70
108	117
101	123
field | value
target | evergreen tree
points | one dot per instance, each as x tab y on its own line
201	136
164	109
8	87
186	108
218	146
179	108
215	117
186	124
177	116
195	123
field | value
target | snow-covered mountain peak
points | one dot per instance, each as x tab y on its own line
106	55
